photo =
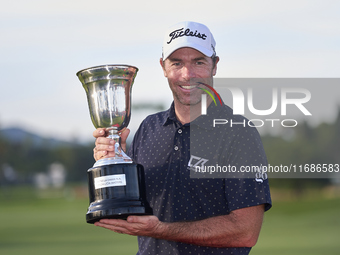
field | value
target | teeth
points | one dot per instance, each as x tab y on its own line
188	87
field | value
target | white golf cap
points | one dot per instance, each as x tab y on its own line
188	34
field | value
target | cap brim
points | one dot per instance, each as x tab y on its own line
203	50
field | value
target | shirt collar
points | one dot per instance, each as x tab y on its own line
170	115
213	112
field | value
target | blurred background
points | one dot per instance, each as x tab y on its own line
46	133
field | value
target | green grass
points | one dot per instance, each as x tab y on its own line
301	227
56	225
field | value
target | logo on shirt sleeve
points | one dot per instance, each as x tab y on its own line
261	175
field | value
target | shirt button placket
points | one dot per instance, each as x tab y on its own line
179	131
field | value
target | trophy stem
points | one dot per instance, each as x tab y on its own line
113	134
119	153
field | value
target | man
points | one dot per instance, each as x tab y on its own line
192	215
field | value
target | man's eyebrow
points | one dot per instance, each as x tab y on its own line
199	58
178	59
175	59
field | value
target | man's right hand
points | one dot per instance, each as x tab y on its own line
105	146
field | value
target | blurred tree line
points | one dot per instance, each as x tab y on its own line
27	154
306	144
27	159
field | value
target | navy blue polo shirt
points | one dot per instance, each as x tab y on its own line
168	151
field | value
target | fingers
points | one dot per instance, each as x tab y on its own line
99	132
118	226
99	154
134	225
105	147
103	142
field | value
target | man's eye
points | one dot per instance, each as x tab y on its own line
177	64
199	63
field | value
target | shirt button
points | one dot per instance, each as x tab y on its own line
176	148
180	131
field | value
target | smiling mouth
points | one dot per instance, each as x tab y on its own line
189	87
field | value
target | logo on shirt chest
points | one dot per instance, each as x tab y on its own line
196	163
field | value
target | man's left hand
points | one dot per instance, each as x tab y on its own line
134	225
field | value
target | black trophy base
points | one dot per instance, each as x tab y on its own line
116	191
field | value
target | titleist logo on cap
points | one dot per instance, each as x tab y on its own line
181	32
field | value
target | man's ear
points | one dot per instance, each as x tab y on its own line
215	65
163	66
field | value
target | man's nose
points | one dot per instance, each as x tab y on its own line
188	72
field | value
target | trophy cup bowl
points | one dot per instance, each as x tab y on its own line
116	184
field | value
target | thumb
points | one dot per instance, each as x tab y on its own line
123	136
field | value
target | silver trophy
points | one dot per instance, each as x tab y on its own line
116	184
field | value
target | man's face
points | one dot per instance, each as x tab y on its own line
183	65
